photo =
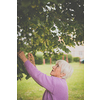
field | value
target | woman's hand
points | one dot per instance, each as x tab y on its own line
22	56
31	58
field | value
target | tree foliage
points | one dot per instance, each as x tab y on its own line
37	24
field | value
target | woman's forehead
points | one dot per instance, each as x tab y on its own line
57	64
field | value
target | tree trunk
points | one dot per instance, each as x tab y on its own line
50	61
62	57
67	58
43	61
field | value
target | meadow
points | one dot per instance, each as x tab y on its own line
30	90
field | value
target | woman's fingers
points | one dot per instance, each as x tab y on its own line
22	56
29	56
32	56
19	52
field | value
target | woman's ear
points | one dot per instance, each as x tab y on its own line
62	74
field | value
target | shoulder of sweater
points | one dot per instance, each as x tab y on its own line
57	80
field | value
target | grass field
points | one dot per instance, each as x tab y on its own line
30	90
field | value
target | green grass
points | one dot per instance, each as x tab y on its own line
30	90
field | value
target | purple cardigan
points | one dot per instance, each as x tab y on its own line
56	88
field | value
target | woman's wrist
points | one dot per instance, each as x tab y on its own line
24	59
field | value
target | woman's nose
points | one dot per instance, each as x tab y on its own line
53	67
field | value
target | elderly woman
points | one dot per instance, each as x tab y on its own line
55	85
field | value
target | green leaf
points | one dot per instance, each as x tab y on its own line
53	28
25	3
66	49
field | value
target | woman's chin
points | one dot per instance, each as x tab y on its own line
51	74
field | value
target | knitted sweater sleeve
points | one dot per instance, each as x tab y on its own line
41	78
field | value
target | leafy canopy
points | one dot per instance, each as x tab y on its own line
38	22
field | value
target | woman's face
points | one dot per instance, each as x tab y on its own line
56	71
